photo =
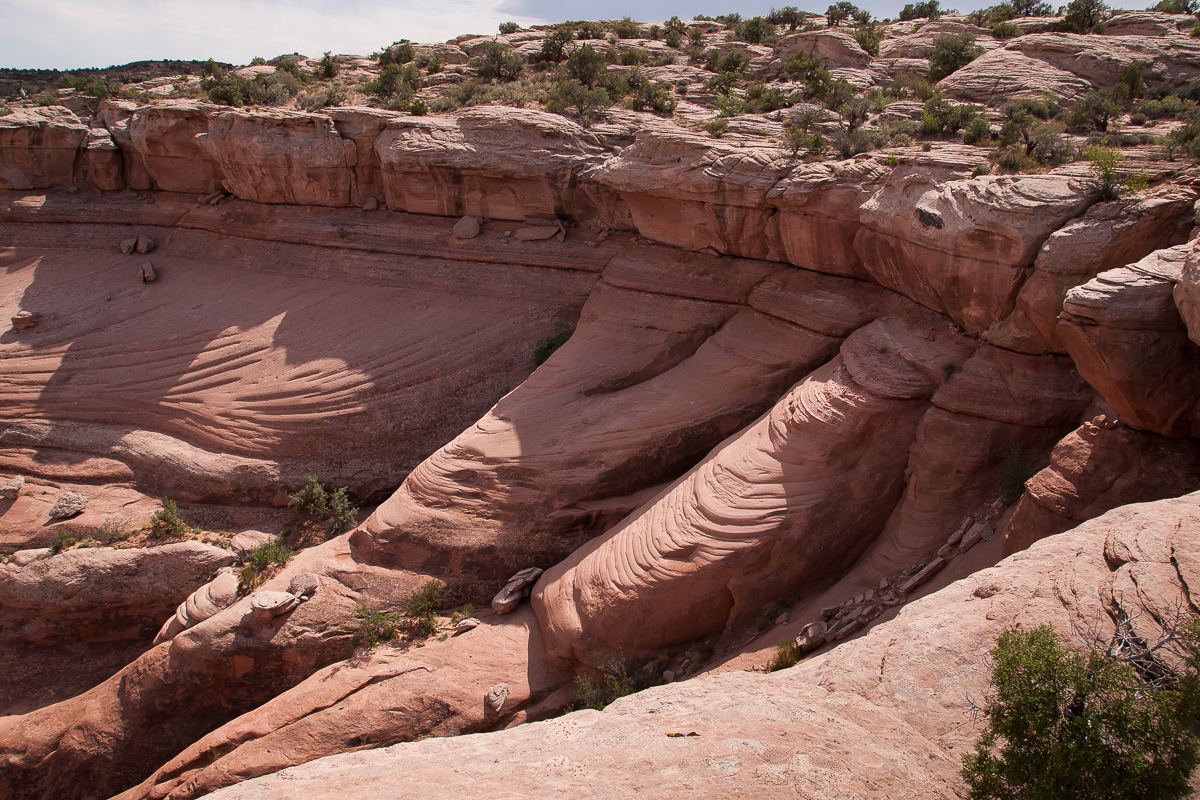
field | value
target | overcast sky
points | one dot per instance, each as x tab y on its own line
69	34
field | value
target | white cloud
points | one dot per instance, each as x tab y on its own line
68	34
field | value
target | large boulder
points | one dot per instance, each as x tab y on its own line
1011	74
489	161
169	137
963	247
102	163
1109	235
38	147
271	156
835	48
1125	334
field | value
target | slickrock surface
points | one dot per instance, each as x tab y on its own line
886	714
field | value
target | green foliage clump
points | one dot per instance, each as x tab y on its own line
344	513
509	27
586	65
804	68
869	36
400	52
786	655
788	15
63	539
1015	471
1106	169
418	108
166	522
1029	139
655	97
1084	16
929	9
312	499
756	30
499	61
420	617
626	28
613	683
547	348
1110	724
330	66
977	131
941	117
716	128
269	553
376	626
951	53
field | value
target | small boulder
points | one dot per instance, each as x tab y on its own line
144	244
304	585
147	273
128	246
518	587
812	636
23	557
23	320
371	204
12	487
468	624
538	234
493	701
268	604
68	505
466	228
244	543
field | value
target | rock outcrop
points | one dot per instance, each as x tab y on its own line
38	147
890	709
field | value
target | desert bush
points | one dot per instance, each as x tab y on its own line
1030	142
951	53
786	655
929	9
499	61
735	61
330	65
1082	16
788	15
232	90
394	80
554	45
626	28
400	52
869	37
756	30
419	614
167	522
1106	170
112	530
1111	723
322	97
269	553
763	99
547	348
418	108
344	513
977	131
717	127
509	27
311	500
376	626
655	97
614	683
941	117
427	60
586	65
63	540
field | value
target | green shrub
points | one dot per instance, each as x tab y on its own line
1106	163
929	9
614	682
345	514
756	30
418	108
869	37
951	53
330	65
400	52
312	499
509	27
656	97
941	117
63	539
420	616
586	65
1015	471
547	348
166	522
717	127
269	553
112	530
376	626
977	131
786	655
1083	16
626	28
1178	6
232	90
323	97
788	15
395	79
1108	724
499	61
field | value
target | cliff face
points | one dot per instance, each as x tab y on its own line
781	379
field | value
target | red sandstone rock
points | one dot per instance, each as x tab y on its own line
282	157
38	147
891	709
1125	334
169	138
